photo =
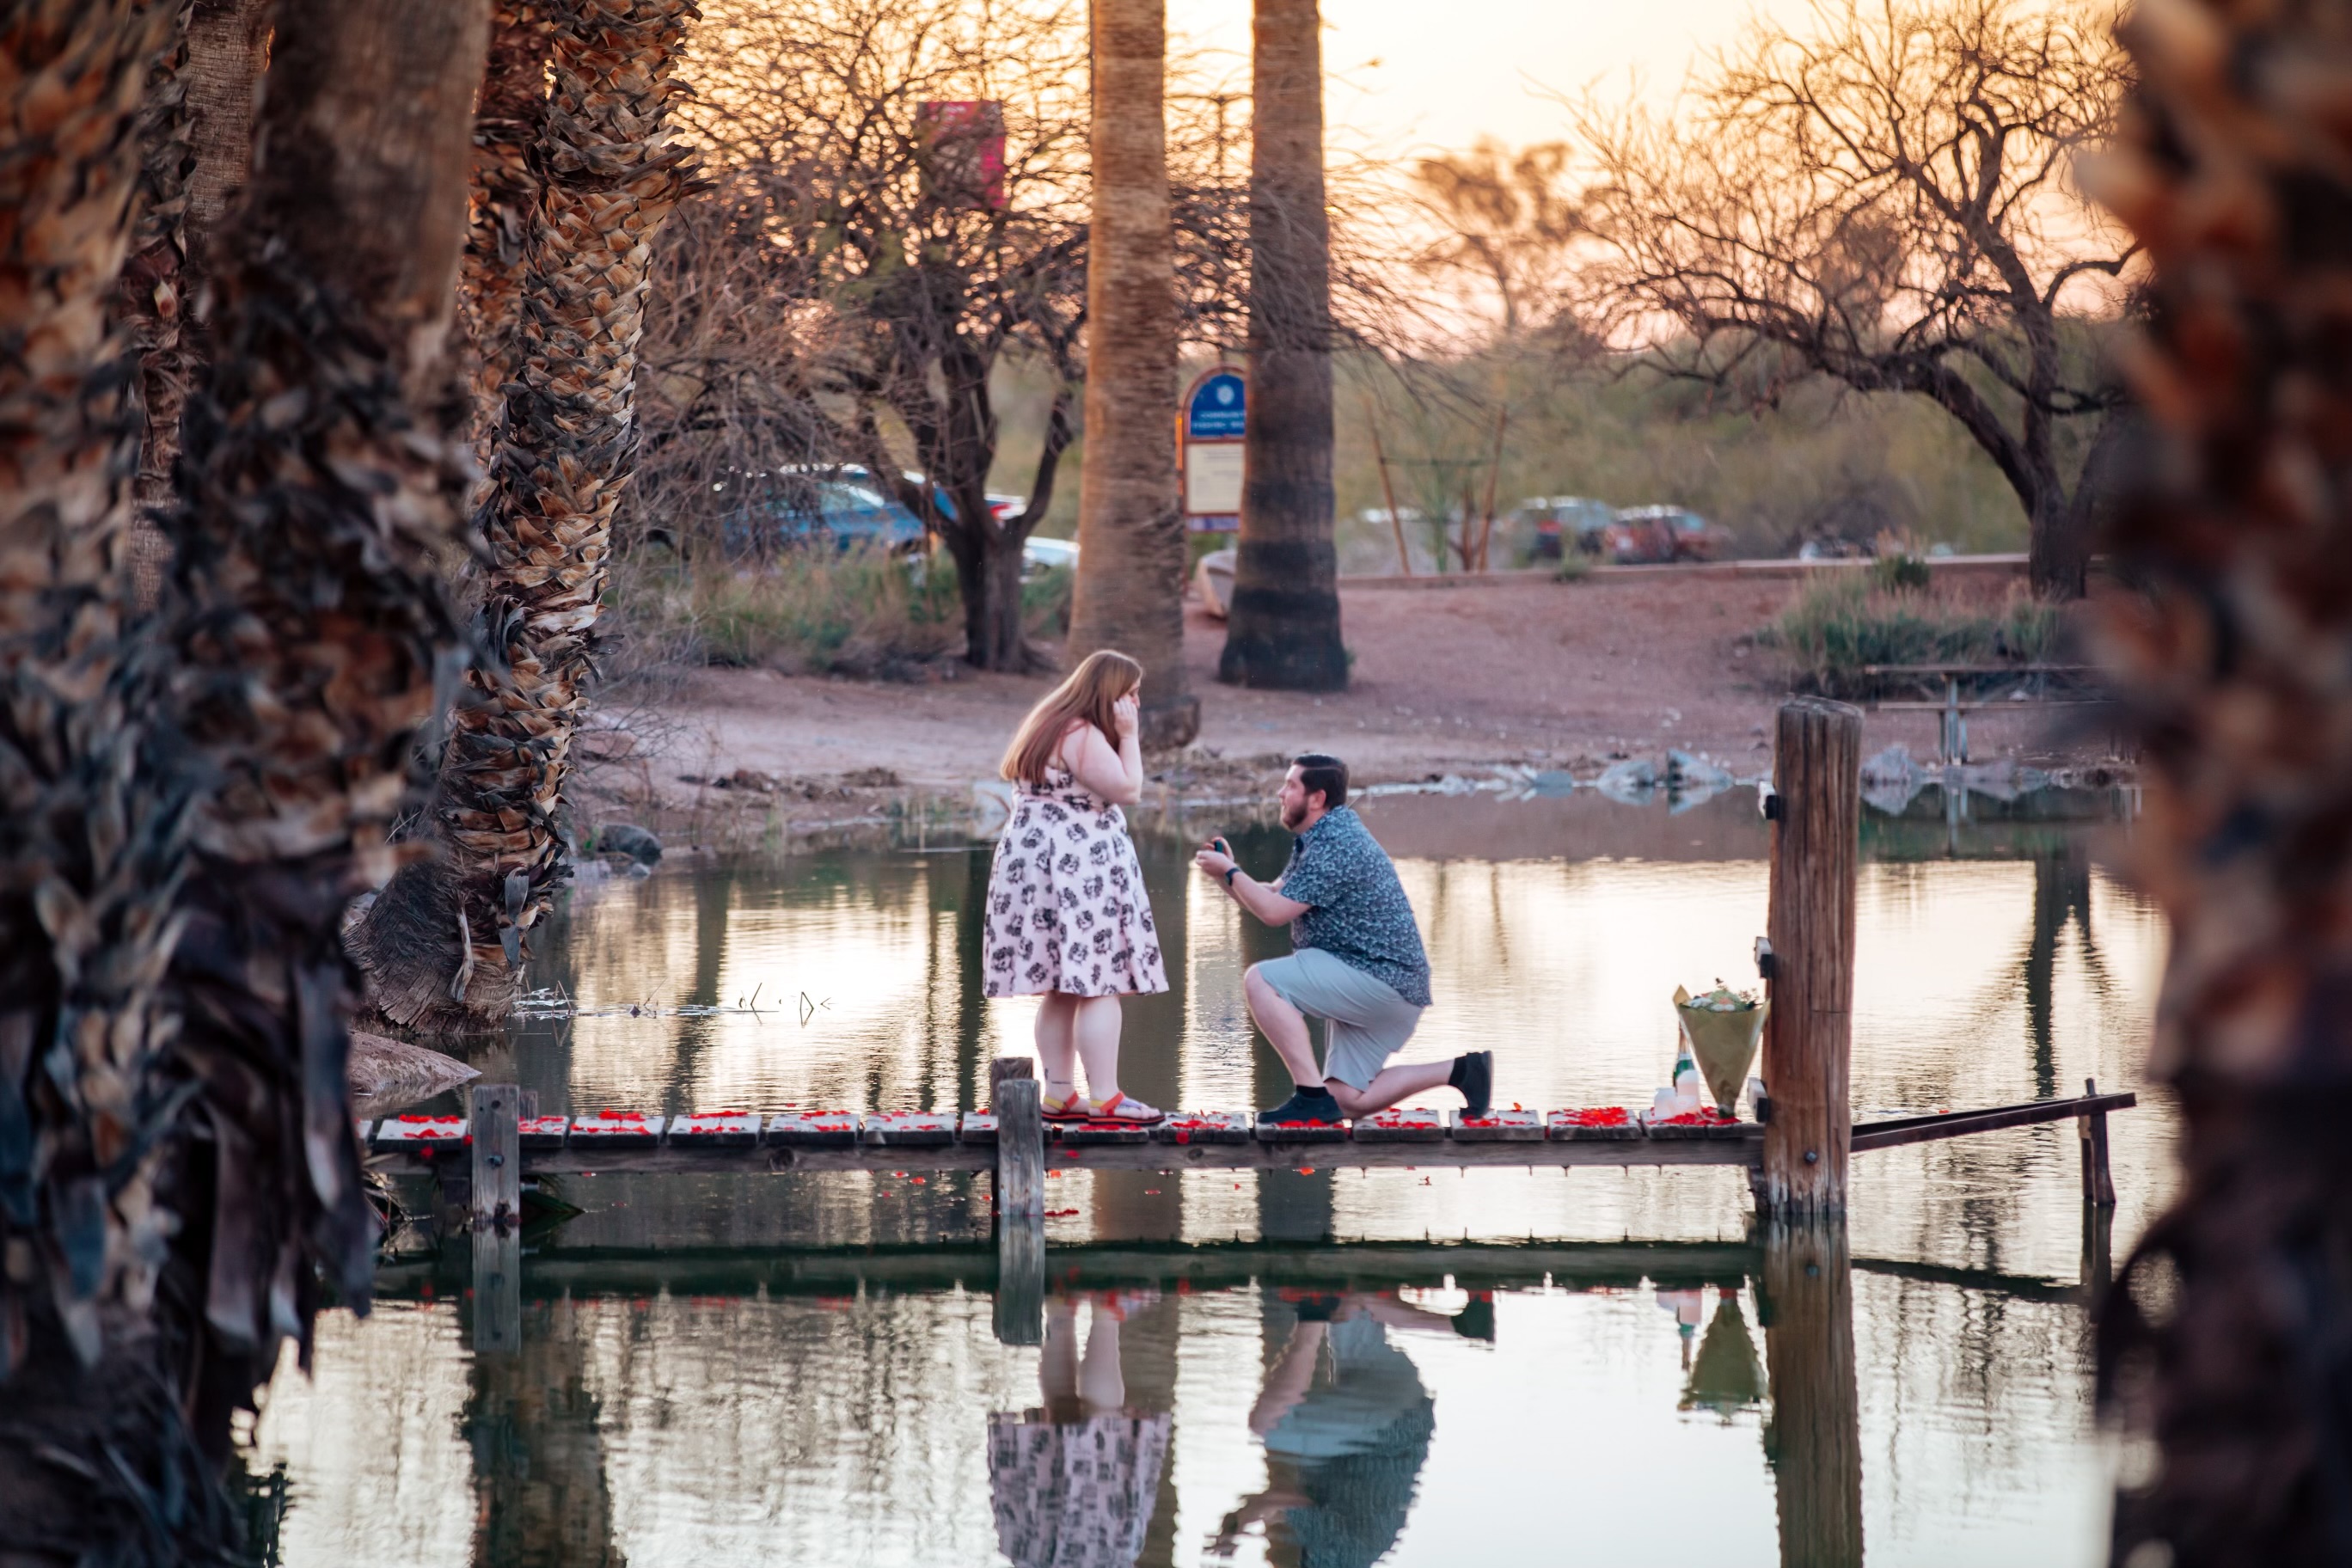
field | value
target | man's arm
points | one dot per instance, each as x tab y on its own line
1261	898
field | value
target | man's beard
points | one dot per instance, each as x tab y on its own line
1292	815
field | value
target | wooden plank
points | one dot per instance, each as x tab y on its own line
615	1130
977	1127
814	1129
910	1128
1498	1126
412	1134
715	1130
1809	1038
1401	1124
495	1118
1612	1124
1895	1133
1206	1127
1020	1150
544	1132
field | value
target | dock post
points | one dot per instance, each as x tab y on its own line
1806	1300
1809	1037
493	1121
498	1289
1019	1305
1003	1069
2098	1180
1020	1150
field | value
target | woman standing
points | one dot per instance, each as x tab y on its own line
1066	913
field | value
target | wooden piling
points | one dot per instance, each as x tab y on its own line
1807	1304
2098	1180
1019	1151
1002	1069
1809	1038
494	1120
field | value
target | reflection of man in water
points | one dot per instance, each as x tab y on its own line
1073	1483
1345	1424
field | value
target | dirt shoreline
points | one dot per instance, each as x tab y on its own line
1527	675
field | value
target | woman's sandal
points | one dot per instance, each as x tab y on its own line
1071	1107
1119	1108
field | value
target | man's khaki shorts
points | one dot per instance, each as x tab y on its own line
1369	1021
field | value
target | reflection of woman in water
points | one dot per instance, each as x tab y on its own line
1073	1484
1344	1446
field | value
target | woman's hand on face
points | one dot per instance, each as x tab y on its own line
1123	712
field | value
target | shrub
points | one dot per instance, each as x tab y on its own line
1574	566
856	612
1902	572
1840	622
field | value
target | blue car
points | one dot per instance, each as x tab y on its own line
799	506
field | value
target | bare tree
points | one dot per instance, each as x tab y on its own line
1885	201
1130	578
1505	225
2224	1340
866	199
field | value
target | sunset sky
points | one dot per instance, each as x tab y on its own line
1410	74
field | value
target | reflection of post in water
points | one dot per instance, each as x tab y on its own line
1806	1302
538	1451
2062	893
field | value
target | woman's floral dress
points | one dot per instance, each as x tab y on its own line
1066	910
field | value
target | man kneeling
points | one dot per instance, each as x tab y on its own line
1359	964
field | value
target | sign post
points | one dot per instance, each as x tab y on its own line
1210	429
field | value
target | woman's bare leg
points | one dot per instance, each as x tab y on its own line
1096	1033
1056	1049
1102	1388
1057	1369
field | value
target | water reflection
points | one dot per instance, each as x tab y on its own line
796	1369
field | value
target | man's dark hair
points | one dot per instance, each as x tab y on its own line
1327	775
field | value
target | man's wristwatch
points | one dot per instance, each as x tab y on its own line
1230	872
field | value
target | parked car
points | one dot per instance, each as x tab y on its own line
803	503
1660	534
1039	556
1558	523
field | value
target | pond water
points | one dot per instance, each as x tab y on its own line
1495	1366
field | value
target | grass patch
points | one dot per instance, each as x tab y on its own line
860	612
1574	566
1840	622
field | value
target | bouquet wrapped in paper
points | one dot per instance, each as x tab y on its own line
1722	1028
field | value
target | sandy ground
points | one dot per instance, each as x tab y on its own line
1455	681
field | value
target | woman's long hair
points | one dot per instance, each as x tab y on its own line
1087	695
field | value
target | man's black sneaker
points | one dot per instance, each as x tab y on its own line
1473	1075
1314	1105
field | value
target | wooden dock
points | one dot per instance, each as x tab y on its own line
971	1141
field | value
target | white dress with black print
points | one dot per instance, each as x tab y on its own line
1066	910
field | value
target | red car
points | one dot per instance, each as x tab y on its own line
1661	533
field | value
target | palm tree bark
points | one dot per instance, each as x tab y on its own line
1284	628
507	124
443	946
196	131
2224	1340
1130	592
324	482
85	841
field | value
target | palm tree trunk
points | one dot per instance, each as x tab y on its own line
1130	592
1284	627
86	836
507	124
2224	1338
443	946
196	130
322	483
